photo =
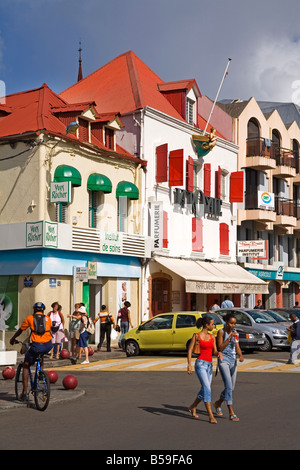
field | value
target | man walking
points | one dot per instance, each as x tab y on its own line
295	332
227	303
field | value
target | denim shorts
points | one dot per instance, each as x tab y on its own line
204	371
36	349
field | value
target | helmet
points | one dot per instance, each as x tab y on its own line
39	306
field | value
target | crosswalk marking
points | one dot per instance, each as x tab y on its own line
177	364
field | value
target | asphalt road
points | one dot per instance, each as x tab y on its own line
148	411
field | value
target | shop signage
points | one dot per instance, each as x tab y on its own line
92	270
198	203
266	200
251	248
61	192
201	287
41	233
28	281
81	274
156	224
111	242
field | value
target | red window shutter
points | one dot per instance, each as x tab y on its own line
109	138
218	178
165	230
197	234
190	174
176	168
162	163
97	130
83	130
224	239
207	179
237	186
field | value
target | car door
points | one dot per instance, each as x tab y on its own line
157	333
185	327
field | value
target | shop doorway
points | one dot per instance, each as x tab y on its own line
160	296
95	302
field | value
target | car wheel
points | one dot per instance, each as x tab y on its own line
267	346
132	348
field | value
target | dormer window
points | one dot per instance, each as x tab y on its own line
109	138
190	111
83	130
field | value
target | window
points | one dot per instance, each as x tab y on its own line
197	180
185	321
93	206
197	234
83	130
159	323
224	185
122	213
190	111
61	212
224	239
109	138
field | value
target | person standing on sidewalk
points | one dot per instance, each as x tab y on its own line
203	364
227	342
124	316
106	320
295	333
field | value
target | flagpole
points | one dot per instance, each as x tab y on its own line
213	106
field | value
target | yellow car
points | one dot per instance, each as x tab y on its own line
165	332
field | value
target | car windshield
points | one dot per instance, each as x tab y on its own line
260	317
278	317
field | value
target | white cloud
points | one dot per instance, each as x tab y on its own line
273	70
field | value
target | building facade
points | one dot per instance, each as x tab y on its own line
70	223
270	214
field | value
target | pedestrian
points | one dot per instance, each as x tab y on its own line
227	303
106	320
84	336
294	329
296	304
215	306
125	320
40	340
75	326
228	344
57	328
203	364
259	304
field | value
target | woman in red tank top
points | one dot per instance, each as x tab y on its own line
203	364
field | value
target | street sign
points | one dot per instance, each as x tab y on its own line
81	274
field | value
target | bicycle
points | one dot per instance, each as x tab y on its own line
40	383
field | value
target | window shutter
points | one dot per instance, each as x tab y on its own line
83	130
176	168
207	178
224	239
218	180
190	174
197	234
165	230
109	138
162	163
237	186
97	130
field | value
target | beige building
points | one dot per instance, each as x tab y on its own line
269	156
69	201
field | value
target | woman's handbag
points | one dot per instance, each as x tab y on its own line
196	348
55	327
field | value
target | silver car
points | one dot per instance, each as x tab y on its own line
276	334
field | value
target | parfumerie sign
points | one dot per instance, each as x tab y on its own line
61	192
41	233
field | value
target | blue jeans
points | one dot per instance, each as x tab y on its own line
204	371
124	329
228	372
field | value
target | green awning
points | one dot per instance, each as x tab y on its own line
67	173
97	182
127	189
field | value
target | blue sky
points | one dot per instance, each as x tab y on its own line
178	39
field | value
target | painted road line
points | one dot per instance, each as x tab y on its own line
150	364
269	365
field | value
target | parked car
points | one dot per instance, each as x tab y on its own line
285	312
165	332
276	334
250	338
278	317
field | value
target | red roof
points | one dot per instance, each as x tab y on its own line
126	83
36	110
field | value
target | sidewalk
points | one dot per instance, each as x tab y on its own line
58	393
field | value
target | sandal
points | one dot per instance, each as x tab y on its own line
233	417
218	410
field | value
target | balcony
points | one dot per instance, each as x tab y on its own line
297	215
260	156
253	212
285	212
285	163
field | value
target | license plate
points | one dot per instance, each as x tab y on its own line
260	341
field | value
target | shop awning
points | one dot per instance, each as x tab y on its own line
67	173
127	189
98	182
207	277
